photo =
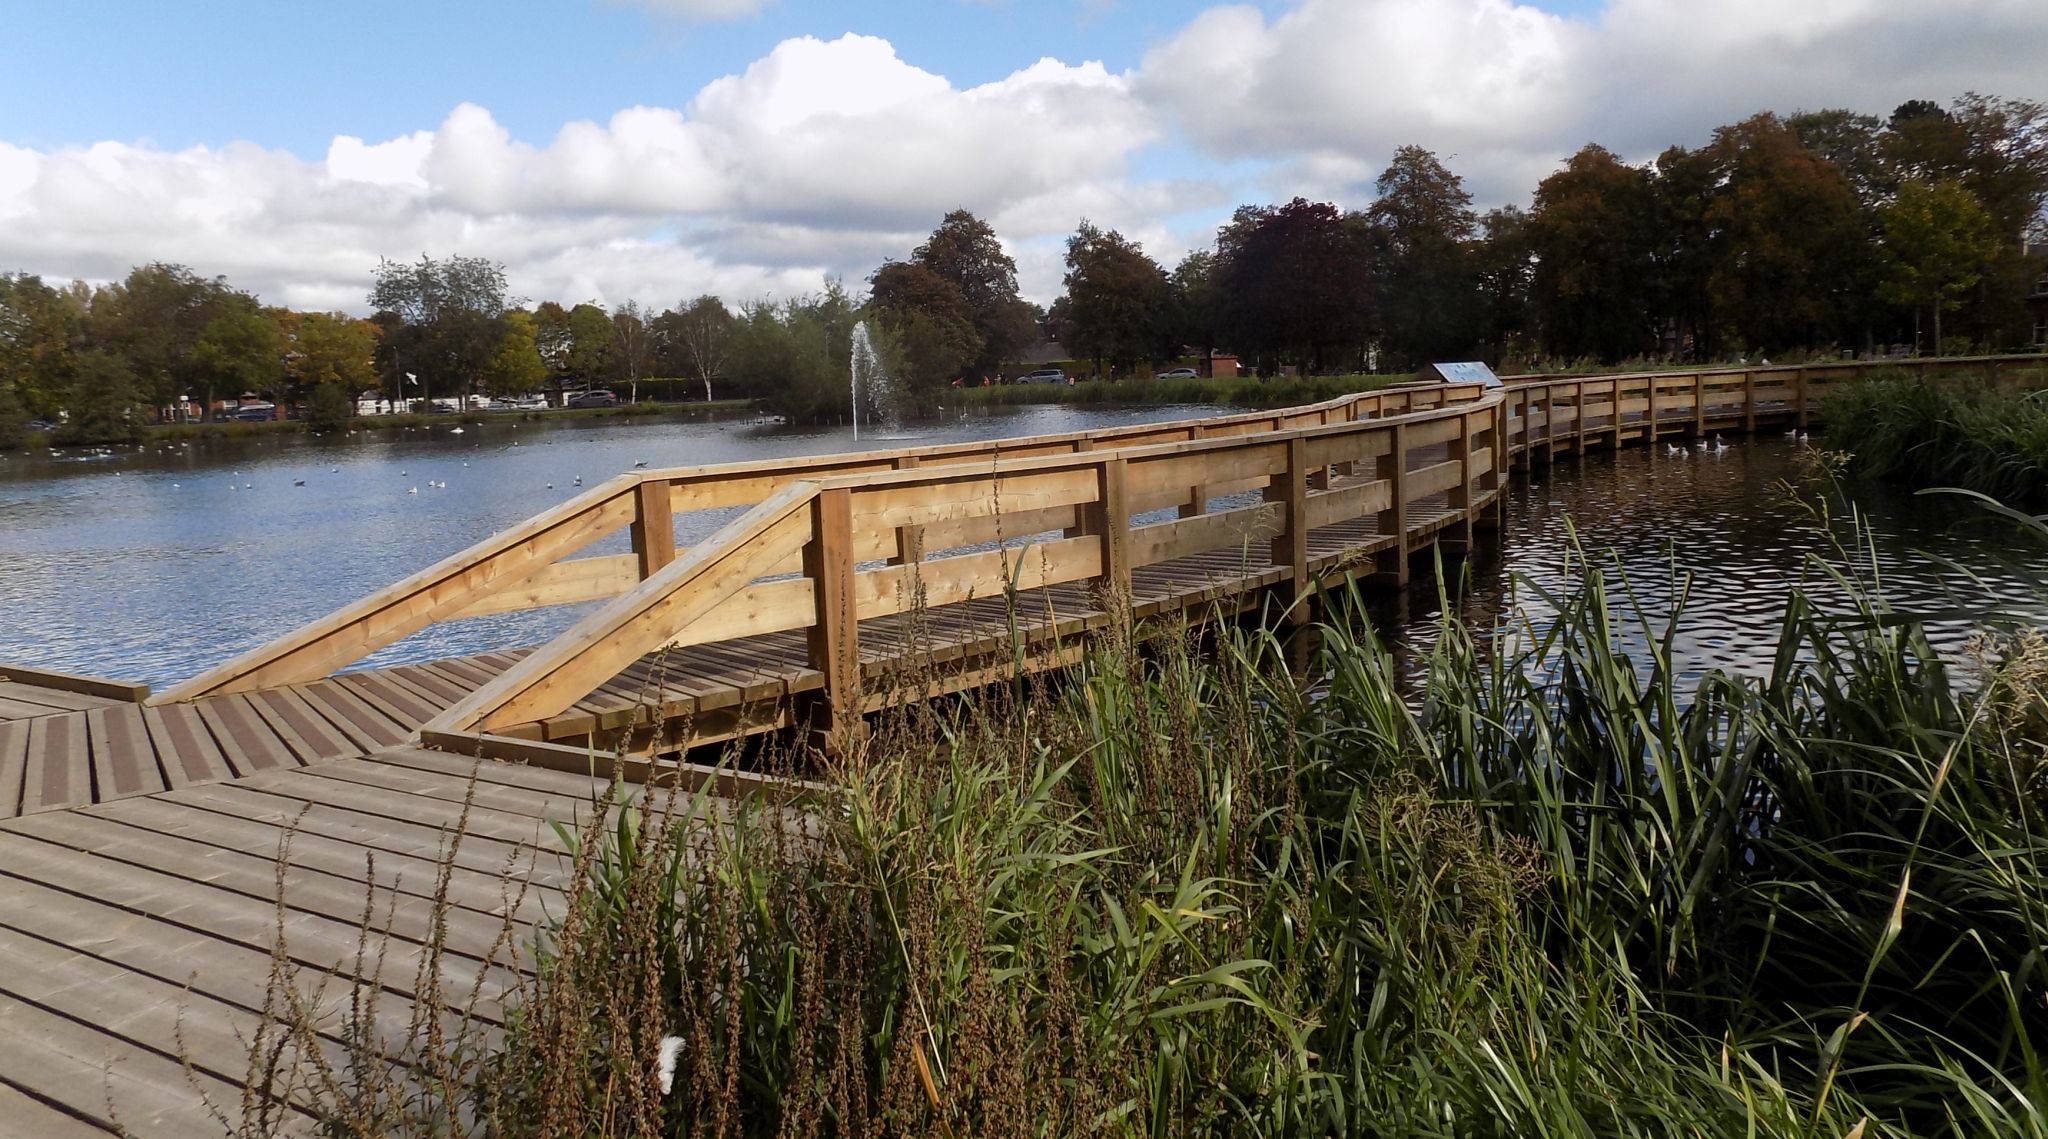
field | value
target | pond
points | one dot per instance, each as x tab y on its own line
154	564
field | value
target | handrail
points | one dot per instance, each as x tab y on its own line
726	586
595	649
529	566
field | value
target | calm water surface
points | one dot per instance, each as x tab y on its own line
157	564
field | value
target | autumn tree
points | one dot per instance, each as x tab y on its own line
1115	306
965	251
1591	232
1790	227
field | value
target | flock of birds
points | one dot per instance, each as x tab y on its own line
1719	446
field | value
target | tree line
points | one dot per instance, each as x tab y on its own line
1814	232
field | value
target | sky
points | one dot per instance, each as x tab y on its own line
655	150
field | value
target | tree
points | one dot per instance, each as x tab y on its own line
333	348
1685	234
965	251
1421	223
928	324
1852	144
798	355
38	328
701	334
1504	265
1196	301
1790	229
154	319
240	348
102	400
1937	240
590	335
454	304
1297	284
632	347
515	366
1115	307
1591	231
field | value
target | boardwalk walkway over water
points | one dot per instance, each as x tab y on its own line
139	832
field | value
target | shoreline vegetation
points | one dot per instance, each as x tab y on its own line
1991	439
1184	891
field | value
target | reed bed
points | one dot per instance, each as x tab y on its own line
1193	888
1942	433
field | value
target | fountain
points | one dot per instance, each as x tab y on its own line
873	387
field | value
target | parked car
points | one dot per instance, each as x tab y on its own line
596	397
1177	374
1042	376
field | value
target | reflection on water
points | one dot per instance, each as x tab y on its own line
1723	532
155	565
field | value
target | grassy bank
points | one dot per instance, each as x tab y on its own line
1242	392
1558	892
1944	433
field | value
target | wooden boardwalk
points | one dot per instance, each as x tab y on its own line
140	832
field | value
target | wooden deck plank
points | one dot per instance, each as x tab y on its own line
184	745
250	745
368	831
393	700
302	729
136	1016
13	766
73	1066
58	699
32	1117
254	876
59	768
347	710
123	760
315	940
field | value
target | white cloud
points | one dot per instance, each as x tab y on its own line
1504	90
823	157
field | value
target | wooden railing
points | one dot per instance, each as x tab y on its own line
533	565
823	555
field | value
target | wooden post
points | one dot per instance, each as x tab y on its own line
1289	489
834	638
1392	467
909	539
654	526
1488	517
1197	503
1614	406
1799	397
1457	537
1748	402
1579	418
1699	405
1109	517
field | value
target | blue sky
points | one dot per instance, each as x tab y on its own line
219	134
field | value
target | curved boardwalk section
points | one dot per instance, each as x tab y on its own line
140	834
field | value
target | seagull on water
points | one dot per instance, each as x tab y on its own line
298	482
414	490
641	463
